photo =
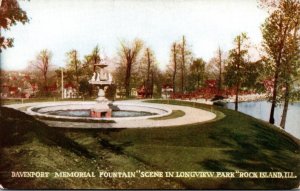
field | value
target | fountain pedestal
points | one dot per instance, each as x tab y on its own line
101	108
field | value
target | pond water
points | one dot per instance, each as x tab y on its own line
261	110
87	113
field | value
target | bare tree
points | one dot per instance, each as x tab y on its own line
149	59
129	55
42	63
180	60
215	67
185	60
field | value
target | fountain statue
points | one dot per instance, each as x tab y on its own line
102	79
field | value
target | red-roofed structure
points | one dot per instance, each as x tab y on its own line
69	85
51	88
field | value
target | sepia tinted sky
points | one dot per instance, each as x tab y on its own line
62	25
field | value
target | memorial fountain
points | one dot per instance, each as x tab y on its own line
102	80
99	110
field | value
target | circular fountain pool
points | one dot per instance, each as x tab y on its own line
82	110
87	113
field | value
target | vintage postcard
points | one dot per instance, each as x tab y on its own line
173	94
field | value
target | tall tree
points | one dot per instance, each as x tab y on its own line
276	29
220	66
129	54
174	52
148	85
181	59
94	57
178	68
236	65
198	72
74	64
215	67
148	66
43	63
291	69
182	64
10	14
88	65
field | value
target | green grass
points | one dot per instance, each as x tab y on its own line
233	141
174	114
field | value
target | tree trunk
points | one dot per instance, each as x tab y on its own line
274	95
152	84
127	79
182	64
198	77
285	106
236	104
277	68
148	74
182	79
45	83
76	68
220	71
130	55
175	68
238	76
45	78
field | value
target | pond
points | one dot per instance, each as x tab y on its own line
261	110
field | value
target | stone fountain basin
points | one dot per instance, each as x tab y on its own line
41	109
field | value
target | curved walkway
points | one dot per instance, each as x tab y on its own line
192	115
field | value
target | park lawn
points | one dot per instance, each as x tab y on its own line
234	142
174	114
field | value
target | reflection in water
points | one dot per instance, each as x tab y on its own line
261	110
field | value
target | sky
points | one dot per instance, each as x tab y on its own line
63	25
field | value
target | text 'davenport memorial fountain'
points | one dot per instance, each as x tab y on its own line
102	79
